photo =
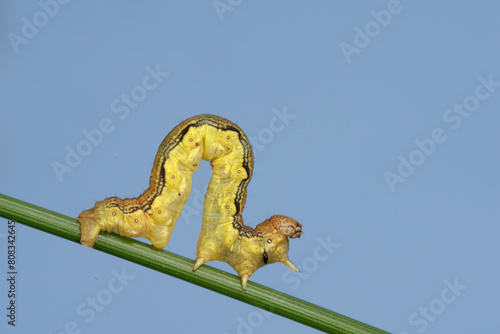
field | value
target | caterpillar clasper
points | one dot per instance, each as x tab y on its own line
223	235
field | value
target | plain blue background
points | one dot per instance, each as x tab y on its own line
352	119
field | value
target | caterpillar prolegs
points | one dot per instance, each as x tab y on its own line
223	235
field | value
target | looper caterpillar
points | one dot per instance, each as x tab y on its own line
223	236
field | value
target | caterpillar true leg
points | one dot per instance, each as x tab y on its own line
223	235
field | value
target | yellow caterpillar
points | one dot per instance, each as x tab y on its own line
223	236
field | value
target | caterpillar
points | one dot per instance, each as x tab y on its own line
223	235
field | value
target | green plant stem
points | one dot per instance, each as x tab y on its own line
180	267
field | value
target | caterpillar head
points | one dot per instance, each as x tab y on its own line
275	233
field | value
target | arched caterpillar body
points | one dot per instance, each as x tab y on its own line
223	236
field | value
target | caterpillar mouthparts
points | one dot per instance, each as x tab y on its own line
223	235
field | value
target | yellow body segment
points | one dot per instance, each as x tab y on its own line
223	235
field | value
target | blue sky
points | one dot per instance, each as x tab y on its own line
375	124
